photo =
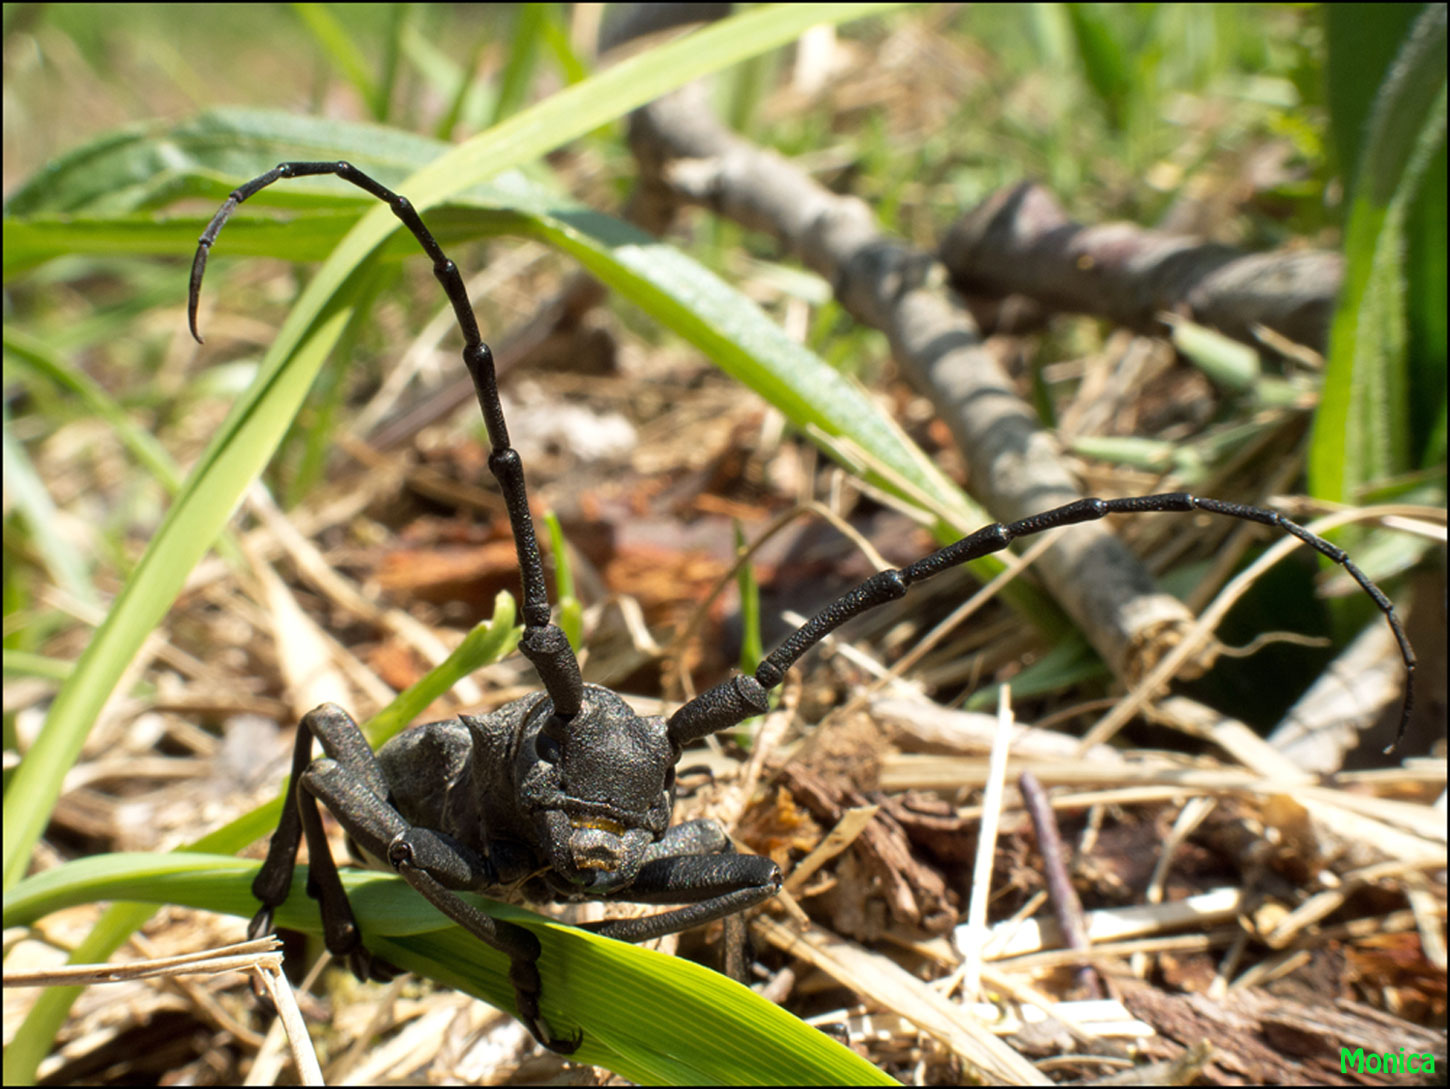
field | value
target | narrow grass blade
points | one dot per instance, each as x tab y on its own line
651	1018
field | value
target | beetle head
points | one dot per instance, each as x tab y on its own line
598	789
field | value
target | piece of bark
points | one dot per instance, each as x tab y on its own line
882	883
1021	242
1261	1038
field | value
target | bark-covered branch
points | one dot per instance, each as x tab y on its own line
687	156
1020	241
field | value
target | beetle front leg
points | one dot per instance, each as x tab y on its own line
703	836
710	886
706	837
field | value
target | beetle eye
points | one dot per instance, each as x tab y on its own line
546	748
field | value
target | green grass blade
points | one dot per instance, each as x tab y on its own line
1362	41
489	641
26	351
566	599
651	1018
25	489
1103	57
342	52
1362	427
751	650
525	40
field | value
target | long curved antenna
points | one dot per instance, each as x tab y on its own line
544	644
736	699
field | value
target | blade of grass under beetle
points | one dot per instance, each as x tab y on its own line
647	1016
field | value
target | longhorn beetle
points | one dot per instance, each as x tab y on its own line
568	792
